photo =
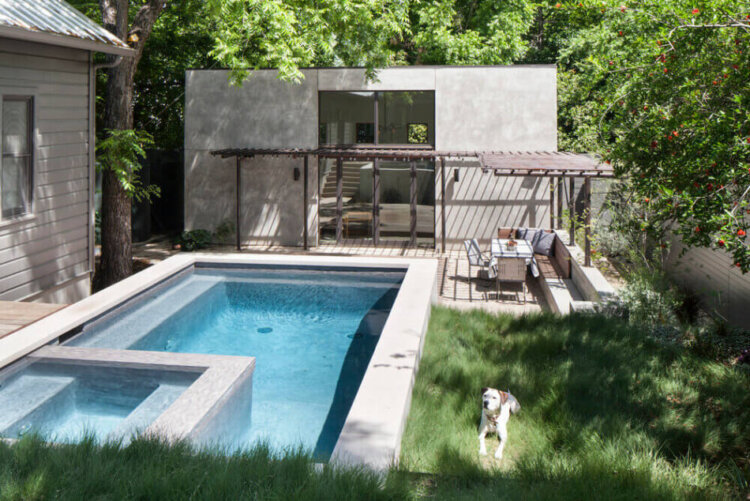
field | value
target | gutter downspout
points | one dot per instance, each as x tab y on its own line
92	155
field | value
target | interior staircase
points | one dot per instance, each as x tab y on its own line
350	176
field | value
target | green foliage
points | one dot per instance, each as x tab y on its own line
252	34
649	299
661	89
190	241
180	40
224	231
607	412
417	134
120	152
468	32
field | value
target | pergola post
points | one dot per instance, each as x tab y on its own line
559	202
413	204
339	198
587	224
442	202
376	201
304	210
552	203
572	211
238	200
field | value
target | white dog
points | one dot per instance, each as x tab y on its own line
497	406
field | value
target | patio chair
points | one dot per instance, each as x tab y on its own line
476	258
511	269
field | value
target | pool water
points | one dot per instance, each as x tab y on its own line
312	333
65	402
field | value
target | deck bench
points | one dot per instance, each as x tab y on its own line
554	274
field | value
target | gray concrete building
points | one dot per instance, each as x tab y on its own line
47	149
489	108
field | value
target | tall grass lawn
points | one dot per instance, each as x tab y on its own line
607	412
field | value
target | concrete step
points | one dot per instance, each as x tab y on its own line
148	410
27	393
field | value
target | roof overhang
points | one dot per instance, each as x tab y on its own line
63	41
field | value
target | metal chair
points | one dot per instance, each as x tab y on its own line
511	269
476	258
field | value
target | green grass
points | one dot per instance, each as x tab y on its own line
607	413
148	469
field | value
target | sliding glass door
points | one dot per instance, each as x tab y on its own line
377	201
407	202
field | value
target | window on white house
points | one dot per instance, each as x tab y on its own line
17	156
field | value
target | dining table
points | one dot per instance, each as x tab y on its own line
500	248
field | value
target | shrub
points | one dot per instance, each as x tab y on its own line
649	299
194	240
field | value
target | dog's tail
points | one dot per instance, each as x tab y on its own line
515	407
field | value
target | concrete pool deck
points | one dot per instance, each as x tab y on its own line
372	432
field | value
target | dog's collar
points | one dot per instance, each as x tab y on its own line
493	419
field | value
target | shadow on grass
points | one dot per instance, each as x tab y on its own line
603	405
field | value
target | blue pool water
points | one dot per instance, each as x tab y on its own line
312	333
65	402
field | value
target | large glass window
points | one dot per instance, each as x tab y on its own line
377	200
17	149
347	117
406	117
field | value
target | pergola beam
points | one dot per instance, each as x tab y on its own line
555	164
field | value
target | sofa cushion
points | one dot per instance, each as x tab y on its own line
544	243
528	233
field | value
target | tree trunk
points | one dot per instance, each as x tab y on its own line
116	258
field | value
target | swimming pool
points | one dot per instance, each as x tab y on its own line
312	333
67	402
311	351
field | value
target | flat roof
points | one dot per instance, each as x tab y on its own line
56	22
400	67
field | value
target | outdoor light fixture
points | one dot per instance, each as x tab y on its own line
296	173
455	175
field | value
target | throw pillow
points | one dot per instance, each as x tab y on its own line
544	243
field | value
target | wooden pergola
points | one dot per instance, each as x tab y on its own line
555	165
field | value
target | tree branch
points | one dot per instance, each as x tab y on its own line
142	25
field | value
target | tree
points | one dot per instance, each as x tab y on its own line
287	35
468	31
662	91
116	262
248	34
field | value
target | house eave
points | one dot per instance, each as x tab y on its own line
63	41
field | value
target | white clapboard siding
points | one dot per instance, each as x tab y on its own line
51	245
712	275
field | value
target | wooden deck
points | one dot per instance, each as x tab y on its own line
17	314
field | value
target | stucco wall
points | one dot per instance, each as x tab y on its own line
263	112
476	108
511	108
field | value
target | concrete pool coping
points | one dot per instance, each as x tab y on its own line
372	432
219	376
